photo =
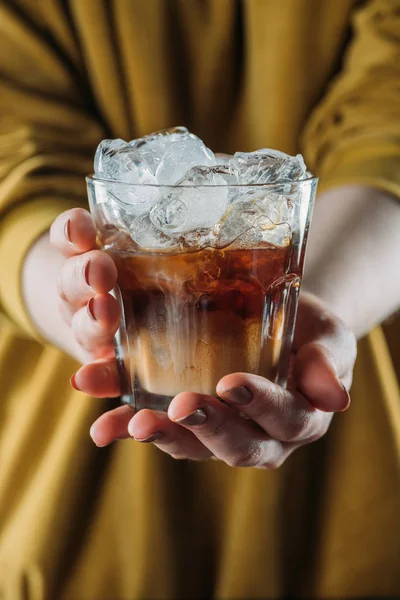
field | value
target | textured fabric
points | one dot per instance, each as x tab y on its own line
128	522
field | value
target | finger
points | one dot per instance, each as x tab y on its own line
234	440
314	375
315	323
99	379
86	275
73	232
155	426
283	415
66	311
111	426
95	324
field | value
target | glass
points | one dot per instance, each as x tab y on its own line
213	302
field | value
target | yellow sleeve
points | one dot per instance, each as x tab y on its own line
47	136
353	136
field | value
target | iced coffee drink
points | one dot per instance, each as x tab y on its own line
209	255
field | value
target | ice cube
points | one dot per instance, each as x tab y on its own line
171	152
142	142
265	232
256	216
145	235
199	201
117	160
221	174
268	166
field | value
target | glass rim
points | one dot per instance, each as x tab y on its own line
280	185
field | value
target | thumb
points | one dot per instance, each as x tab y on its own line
315	376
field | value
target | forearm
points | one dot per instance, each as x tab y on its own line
353	255
41	270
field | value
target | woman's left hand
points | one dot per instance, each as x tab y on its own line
199	427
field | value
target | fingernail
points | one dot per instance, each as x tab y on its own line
89	309
67	231
73	383
92	434
86	271
151	438
238	395
348	397
198	417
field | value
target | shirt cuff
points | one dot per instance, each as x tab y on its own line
19	229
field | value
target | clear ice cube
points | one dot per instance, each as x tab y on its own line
221	174
268	166
256	216
213	200
117	160
199	201
171	152
143	232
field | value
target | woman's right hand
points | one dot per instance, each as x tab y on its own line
87	277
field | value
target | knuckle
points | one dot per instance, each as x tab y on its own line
275	455
216	429
275	459
319	431
264	399
250	458
299	426
279	399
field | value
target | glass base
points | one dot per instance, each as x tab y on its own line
141	399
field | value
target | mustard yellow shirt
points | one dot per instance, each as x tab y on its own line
127	522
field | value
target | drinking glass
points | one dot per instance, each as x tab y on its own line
199	302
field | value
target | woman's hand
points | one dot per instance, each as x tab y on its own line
84	283
197	426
